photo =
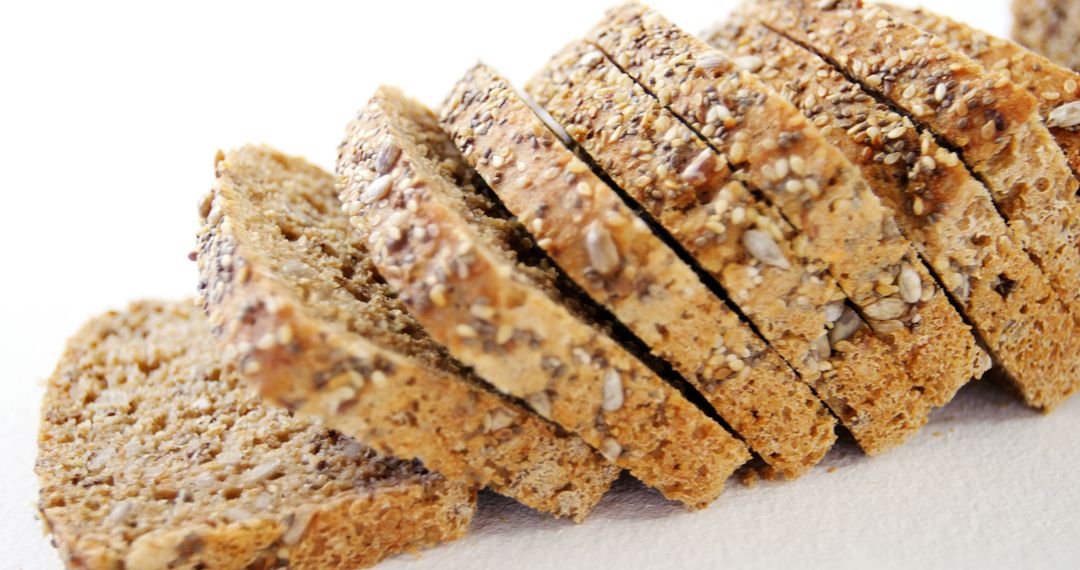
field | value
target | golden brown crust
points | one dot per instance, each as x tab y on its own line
994	123
466	287
1050	27
153	454
946	212
824	197
1056	88
316	332
612	254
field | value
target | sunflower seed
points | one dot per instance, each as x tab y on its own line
540	402
751	63
710	60
297	526
698	169
910	285
613	390
591	58
820	349
387	157
845	326
886	309
603	254
377	190
833	311
963	290
610	449
1065	116
764	249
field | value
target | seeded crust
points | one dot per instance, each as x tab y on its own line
290	290
994	123
612	254
826	199
154	454
455	268
946	212
1050	27
1056	88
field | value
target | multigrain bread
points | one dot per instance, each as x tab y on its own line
693	193
457	268
612	254
948	214
993	124
825	198
1056	88
290	290
154	454
1050	27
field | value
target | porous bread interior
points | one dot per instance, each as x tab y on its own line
288	221
145	427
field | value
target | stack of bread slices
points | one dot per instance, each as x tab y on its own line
674	256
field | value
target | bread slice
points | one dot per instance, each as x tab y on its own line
612	254
946	212
1056	88
825	198
1050	27
993	123
154	454
456	267
290	290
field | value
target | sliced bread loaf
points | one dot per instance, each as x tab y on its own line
599	241
741	241
290	290
1056	88
154	454
457	267
994	124
949	215
1050	27
821	194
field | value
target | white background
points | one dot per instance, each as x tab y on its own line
109	119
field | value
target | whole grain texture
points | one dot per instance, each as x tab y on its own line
821	194
456	267
992	123
612	254
154	454
946	212
290	290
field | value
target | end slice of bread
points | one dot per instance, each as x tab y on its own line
458	269
291	292
154	454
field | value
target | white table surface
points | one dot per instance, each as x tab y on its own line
109	119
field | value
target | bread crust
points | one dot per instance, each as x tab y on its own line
948	215
108	510
571	212
994	123
316	363
498	317
1056	88
825	198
